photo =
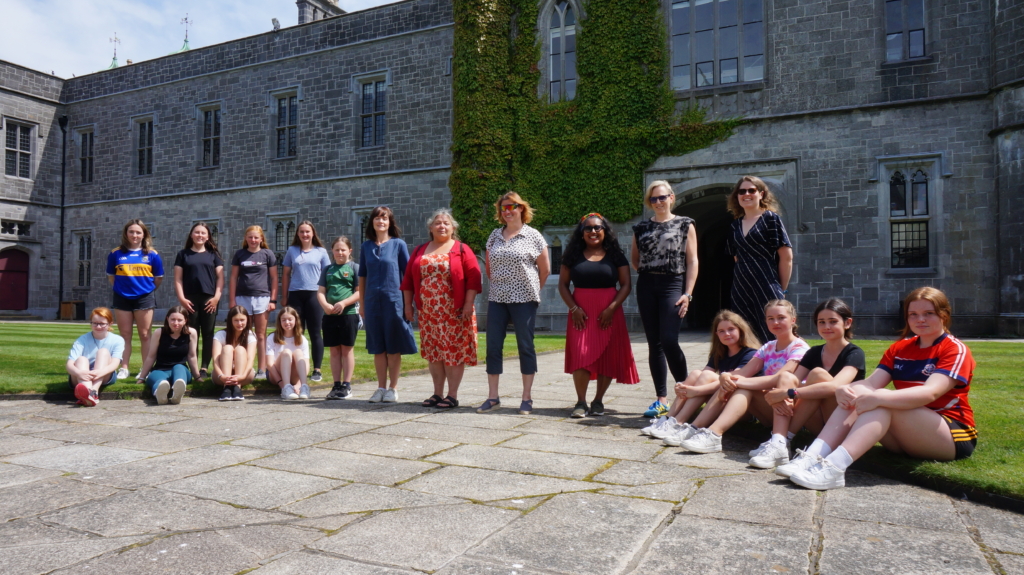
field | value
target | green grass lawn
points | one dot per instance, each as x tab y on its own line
32	358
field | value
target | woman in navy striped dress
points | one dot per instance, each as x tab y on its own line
761	248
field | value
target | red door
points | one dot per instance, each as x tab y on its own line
13	279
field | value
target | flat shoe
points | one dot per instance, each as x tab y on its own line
432	401
489	405
526	407
448	403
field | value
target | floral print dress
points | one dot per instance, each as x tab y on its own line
443	336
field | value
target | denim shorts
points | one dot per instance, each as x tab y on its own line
254	304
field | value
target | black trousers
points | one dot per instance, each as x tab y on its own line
204	323
656	296
312	317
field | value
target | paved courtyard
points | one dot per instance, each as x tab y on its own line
316	487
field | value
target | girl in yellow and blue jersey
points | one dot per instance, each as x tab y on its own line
135	271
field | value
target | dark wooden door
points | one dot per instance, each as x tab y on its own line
13	280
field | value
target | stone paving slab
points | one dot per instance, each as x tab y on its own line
472	566
490	485
227	429
357	497
504	459
500	419
157	470
252	486
93	433
79	458
307	563
164	441
674	492
303	435
15	444
611	449
1001	530
634	473
445	432
16	474
344	465
871	498
23	532
30	499
33	559
763	498
389	445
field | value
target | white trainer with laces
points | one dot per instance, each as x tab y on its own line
288	392
802	461
655	423
670	427
820	476
684	432
378	395
704	441
122	373
390	396
760	448
303	391
773	455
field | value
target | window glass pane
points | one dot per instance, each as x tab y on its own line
753	68
727	13
703	15
705	73
216	152
216	122
893	47
555	87
367	131
378	136
570	89
381	97
282	144
207	124
570	41
207	153
570	18
681	77
556	20
26	142
570	67
681	17
916	43
897	195
556	42
292	141
142	135
556	66
915	14
753	41
893	16
11	164
282	112
705	48
752	11
293	110
12	136
728	42
910	245
23	165
727	71
149	161
681	50
919	193
367	98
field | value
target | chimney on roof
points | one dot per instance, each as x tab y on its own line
313	10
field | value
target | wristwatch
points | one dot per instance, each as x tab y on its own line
792	393
689	298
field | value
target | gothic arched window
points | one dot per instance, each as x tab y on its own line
897	195
562	52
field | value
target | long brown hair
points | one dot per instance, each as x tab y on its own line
841	308
167	320
393	229
316	237
938	300
210	244
147	239
263	237
719	350
296	332
768	201
231	336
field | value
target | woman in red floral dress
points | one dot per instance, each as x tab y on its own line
443	278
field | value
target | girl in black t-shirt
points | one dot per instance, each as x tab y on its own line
198	284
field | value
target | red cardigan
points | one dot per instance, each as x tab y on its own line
465	273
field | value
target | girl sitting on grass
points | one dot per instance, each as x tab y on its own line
288	355
927	416
172	358
234	349
94	359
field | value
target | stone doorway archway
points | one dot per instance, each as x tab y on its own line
13	279
707	207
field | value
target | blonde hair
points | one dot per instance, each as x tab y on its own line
651	187
768	201
446	213
514	197
719	350
296	331
263	237
789	309
933	296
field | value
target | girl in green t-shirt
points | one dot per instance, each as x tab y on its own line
338	294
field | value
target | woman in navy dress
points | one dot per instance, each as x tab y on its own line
382	260
761	248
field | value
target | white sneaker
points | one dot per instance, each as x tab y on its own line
303	391
261	375
390	396
377	396
820	476
686	431
655	423
177	391
704	441
772	456
760	448
162	390
802	461
670	427
288	392
123	373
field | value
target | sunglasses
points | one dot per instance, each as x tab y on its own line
509	207
593	228
659	199
745	191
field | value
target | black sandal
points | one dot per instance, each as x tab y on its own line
447	403
432	401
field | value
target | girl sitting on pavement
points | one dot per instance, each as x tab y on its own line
288	355
234	349
172	358
743	391
733	344
94	359
927	416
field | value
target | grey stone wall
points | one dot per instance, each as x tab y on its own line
1008	42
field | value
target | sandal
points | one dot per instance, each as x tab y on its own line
448	403
489	405
432	401
526	407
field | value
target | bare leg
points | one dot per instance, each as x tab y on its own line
919	433
337	363
103	360
690	406
380	365
225	361
437	375
454	375
711	411
241	363
348	361
124	321
677	403
492	385
300	368
144	324
394	368
259	321
527	386
581	380
79	371
284	367
603	383
735	408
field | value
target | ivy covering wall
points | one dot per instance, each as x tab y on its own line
566	158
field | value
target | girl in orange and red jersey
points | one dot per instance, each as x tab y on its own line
927	416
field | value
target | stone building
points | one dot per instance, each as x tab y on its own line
891	131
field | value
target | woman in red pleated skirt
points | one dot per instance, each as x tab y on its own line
597	343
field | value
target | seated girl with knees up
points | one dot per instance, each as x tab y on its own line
927	416
234	349
170	362
733	345
807	397
743	392
288	356
94	359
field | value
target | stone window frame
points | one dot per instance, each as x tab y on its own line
82	249
273	104
86	153
934	165
143	169
544	39
16	229
216	228
557	238
18	150
215	139
289	222
359	216
911	22
741	82
378	79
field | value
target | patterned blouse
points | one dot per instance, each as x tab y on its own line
514	274
662	245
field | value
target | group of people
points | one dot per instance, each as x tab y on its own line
783	383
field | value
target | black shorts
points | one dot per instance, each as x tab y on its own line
340	329
965	438
142	302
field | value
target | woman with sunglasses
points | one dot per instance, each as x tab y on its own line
517	264
665	256
759	244
596	339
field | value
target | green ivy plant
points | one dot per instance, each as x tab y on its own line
565	158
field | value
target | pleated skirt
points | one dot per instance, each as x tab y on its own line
600	351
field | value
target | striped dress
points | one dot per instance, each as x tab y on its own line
755	279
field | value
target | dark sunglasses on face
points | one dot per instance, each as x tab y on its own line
659	199
745	191
509	207
589	229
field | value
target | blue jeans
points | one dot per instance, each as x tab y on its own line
523	316
179	371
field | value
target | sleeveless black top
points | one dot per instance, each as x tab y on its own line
170	351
